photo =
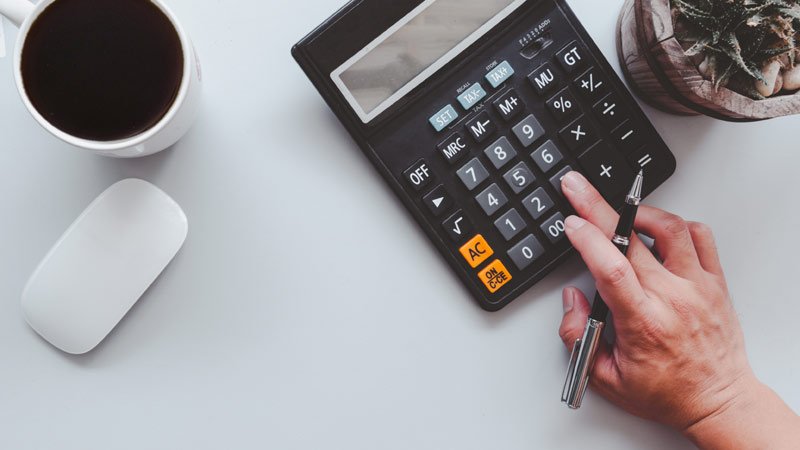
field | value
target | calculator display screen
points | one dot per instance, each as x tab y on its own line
413	49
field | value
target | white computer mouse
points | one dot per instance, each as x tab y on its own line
102	264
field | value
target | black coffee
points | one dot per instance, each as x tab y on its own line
102	70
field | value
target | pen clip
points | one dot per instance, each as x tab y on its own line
580	364
568	382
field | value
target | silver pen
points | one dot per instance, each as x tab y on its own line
585	348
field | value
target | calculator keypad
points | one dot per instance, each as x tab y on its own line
473	174
492	199
529	131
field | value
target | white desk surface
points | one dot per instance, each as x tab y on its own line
307	310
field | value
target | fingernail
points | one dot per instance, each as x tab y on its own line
568	297
574	182
575	223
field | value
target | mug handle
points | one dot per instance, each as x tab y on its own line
16	10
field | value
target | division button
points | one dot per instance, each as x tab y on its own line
606	169
419	175
509	105
556	180
578	135
444	118
476	251
563	106
592	85
481	127
526	252
492	199
438	201
495	276
543	79
519	178
610	112
472	96
538	203
547	156
572	57
458	227
628	137
555	228
501	152
529	131
510	224
473	174
500	74
454	148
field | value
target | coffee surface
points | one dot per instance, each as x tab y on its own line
102	70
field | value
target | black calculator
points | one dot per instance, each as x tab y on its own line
473	111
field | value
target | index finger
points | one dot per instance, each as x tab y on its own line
615	277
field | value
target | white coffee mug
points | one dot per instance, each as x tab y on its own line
175	123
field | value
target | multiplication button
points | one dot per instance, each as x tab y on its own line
501	152
578	135
458	227
473	174
526	252
419	175
529	131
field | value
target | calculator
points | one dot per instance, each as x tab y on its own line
473	111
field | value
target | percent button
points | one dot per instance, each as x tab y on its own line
563	106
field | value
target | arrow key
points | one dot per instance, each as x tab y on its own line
458	227
438	201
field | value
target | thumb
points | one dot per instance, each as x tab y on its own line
605	376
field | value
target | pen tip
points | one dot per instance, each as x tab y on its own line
636	190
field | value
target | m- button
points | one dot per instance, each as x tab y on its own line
419	175
476	251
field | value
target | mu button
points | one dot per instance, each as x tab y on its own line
476	251
495	276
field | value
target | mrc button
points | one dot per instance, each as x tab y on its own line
476	251
419	175
454	148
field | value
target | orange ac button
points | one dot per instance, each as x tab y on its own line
476	251
495	276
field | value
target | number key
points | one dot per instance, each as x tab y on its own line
510	224
526	252
547	156
519	178
501	152
492	199
529	131
473	174
538	203
555	228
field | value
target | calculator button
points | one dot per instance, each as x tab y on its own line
538	203
572	57
555	228
543	79
578	135
495	276
492	199
438	201
443	118
481	127
510	224
592	85
509	105
501	152
563	106
610	112
472	96
454	148
547	156
458	227
519	178
473	174
500	74
606	169
526	252
628	137
476	251
529	131
655	166
419	175
556	180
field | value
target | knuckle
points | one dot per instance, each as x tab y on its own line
675	225
616	272
701	230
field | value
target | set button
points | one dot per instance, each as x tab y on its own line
444	118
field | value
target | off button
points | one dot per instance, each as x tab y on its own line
419	175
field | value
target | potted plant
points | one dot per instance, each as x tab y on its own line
735	60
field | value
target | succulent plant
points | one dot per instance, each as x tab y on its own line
747	45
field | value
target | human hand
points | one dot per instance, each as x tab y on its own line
679	355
